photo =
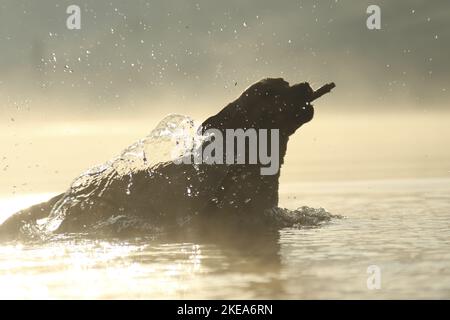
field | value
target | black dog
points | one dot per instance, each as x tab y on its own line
172	194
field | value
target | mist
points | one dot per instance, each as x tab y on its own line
156	57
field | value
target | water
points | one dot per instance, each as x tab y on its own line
402	226
168	141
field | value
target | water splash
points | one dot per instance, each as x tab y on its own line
175	136
299	218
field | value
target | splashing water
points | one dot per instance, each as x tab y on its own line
175	136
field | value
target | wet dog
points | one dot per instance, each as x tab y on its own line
170	193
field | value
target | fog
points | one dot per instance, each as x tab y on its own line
70	99
152	57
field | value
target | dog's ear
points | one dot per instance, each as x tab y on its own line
275	83
266	87
250	106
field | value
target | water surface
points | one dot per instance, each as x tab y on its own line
402	226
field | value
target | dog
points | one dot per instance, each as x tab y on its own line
173	194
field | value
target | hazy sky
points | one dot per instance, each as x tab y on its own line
170	56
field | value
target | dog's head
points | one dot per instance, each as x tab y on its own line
273	103
269	104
